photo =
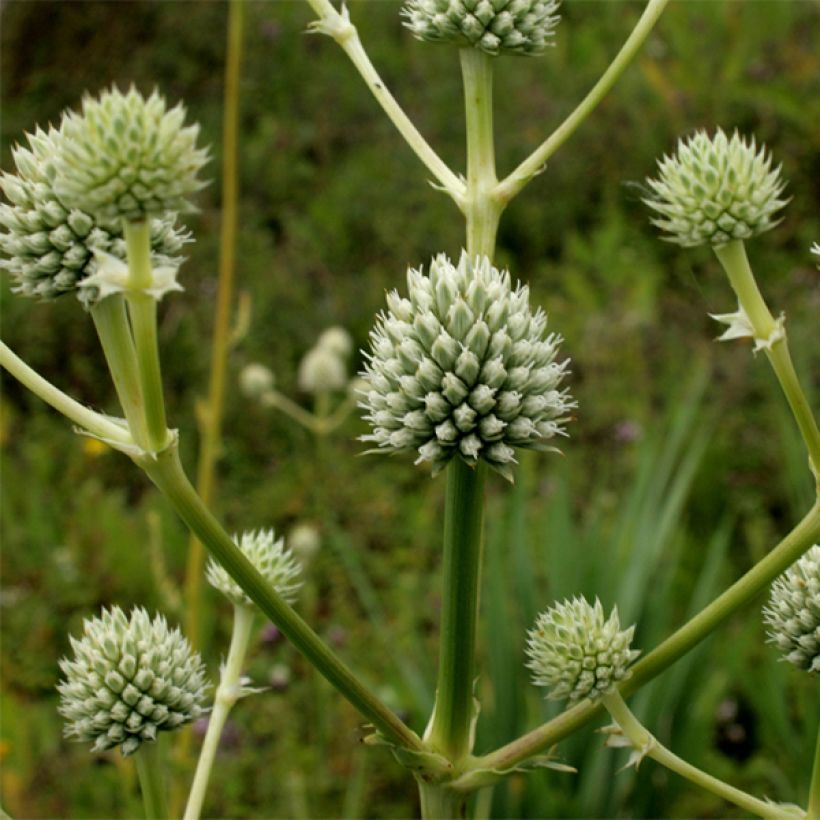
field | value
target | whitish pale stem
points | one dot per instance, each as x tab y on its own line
142	310
813	812
338	26
531	166
227	693
643	741
732	257
151	772
275	399
85	418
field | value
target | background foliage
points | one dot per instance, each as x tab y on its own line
682	468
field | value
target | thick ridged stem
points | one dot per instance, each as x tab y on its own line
813	812
440	803
151	771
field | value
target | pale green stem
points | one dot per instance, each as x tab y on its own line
450	727
142	310
792	547
642	741
95	423
438	802
531	166
165	470
339	27
275	399
732	257
151	771
227	693
813	812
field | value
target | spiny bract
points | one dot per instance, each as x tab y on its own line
716	190
128	157
576	653
130	679
463	367
793	612
523	27
50	246
271	559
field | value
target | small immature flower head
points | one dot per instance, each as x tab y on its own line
463	367
793	612
521	27
130	678
716	189
255	380
337	340
49	246
304	541
322	370
269	556
128	157
576	653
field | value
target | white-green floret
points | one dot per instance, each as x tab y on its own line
716	189
574	652
268	555
464	368
130	678
793	612
49	246
521	27
128	157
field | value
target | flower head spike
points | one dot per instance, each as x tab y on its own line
269	556
128	157
578	654
521	27
51	248
793	612
714	190
130	678
463	367
322	370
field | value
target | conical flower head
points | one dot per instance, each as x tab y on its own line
463	367
268	554
714	190
522	27
577	653
793	612
49	247
128	157
130	678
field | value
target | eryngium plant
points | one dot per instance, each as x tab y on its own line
130	679
463	367
127	157
714	190
578	654
523	27
793	612
48	244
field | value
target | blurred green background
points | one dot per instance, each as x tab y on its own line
683	467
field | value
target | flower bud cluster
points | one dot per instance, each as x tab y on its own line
714	190
269	557
578	654
323	368
130	678
793	612
521	27
464	368
255	380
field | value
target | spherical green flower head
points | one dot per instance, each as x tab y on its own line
269	556
128	157
576	653
522	27
793	612
130	678
463	368
716	190
49	247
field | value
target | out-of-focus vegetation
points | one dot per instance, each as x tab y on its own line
683	467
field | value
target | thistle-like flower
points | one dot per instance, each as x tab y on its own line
255	380
131	677
269	556
793	612
304	541
337	340
463	368
50	247
714	190
576	653
128	157
322	370
522	27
